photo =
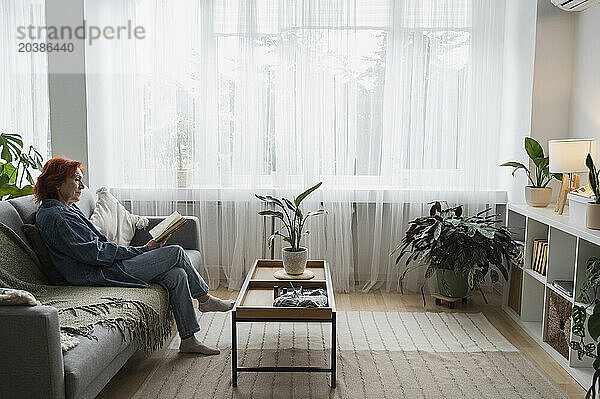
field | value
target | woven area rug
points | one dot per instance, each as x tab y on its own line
380	355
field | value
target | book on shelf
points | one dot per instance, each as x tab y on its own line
170	225
540	256
534	253
564	286
544	259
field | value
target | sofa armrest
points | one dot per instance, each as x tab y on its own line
187	238
30	353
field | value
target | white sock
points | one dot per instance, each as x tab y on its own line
214	304
192	345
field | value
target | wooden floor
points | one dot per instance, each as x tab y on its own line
133	374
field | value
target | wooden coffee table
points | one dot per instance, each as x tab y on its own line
255	304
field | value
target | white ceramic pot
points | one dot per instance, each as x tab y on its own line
592	216
294	262
538	197
184	177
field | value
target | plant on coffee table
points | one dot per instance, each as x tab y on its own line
467	246
293	220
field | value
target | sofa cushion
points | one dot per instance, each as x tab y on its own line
87	202
86	361
41	250
195	257
10	217
113	220
26	207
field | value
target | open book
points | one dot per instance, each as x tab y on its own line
171	225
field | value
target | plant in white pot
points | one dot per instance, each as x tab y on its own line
293	220
538	193
184	143
592	214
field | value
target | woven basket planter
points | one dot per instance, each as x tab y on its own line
559	324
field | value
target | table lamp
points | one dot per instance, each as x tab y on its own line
568	157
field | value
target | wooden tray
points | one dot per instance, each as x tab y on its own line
255	300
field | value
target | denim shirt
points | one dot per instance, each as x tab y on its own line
81	253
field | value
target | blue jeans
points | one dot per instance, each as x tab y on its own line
171	266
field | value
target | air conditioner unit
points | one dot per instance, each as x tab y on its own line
574	5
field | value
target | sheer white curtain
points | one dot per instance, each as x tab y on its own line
390	104
24	106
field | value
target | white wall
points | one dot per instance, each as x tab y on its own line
553	71
66	86
585	101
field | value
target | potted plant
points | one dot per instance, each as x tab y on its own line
16	167
592	213
588	297
460	249
293	219
184	149
537	193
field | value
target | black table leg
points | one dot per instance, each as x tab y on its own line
333	350
234	364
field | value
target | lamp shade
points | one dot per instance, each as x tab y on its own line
568	156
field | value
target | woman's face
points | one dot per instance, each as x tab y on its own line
70	191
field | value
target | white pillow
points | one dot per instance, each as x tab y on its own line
113	220
9	296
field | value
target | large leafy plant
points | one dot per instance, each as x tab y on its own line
589	297
467	245
593	178
539	176
16	166
291	216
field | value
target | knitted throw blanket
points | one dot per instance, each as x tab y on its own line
141	314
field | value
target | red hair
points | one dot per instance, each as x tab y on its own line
54	173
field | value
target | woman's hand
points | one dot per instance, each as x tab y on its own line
152	244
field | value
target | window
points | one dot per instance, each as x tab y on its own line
264	90
24	104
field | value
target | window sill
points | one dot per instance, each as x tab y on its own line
343	194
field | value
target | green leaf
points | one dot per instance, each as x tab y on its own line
13	191
7	169
437	232
494	275
433	210
458	211
6	154
516	166
29	177
533	148
315	213
301	197
15	138
470	278
593	176
542	163
594	324
290	205
430	271
275	214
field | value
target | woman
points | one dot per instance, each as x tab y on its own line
84	256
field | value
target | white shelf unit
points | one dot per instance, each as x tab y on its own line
570	245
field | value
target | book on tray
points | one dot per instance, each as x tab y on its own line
171	225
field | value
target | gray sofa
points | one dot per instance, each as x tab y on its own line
32	362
